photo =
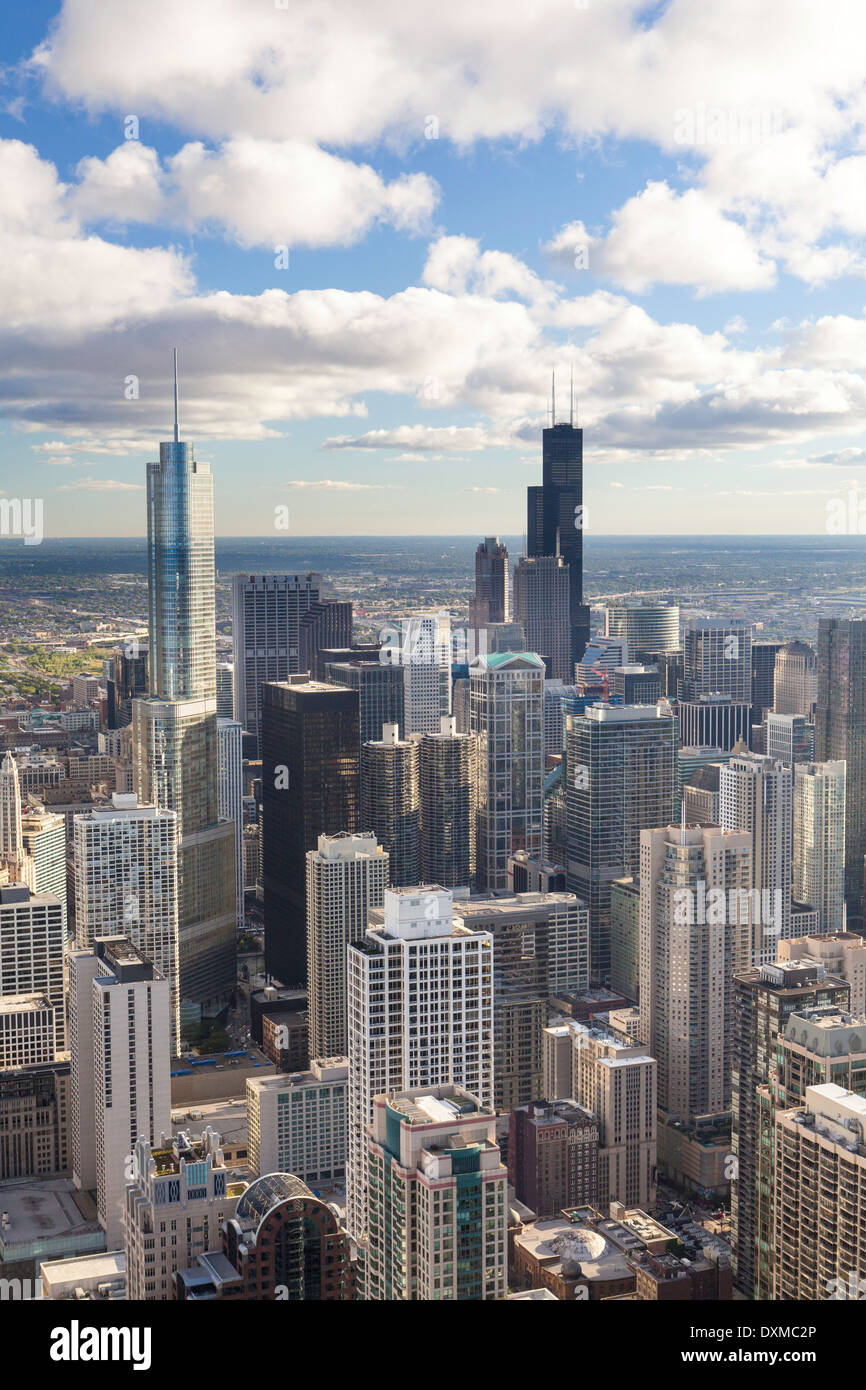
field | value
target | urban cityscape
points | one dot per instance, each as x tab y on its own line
418	914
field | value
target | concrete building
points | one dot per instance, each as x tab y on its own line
756	795
506	696
35	1121
390	801
553	1156
346	877
297	1123
840	735
447	804
119	1006
542	605
492	589
267	610
33	949
819	842
438	1198
789	739
582	1255
625	937
27	1030
420	1014
380	693
44	836
842	954
423	650
615	1079
644	627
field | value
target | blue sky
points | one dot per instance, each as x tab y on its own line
669	199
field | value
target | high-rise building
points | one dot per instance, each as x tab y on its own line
819	841
310	788
27	1031
390	801
127	682
324	629
267	610
231	796
714	721
126	882
820	1210
121	1060
44	836
34	1121
346	877
625	937
643	627
447	791
559	701
506	717
789	738
11	843
380	692
717	659
763	1001
700	805
842	954
695	933
636	685
555	517
620	762
540	950
32	949
174	740
438	1198
795	680
296	1123
423	650
542	603
225	678
614	1078
840	733
420	1014
179	1195
756	794
491	583
689	759
763	673
553	1156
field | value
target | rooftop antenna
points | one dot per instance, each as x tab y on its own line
175	398
553	397
571	409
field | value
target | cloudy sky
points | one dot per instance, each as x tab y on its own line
374	229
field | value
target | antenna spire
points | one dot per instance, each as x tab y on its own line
553	397
175	398
571	406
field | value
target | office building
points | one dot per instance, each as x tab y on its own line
526	875
231	797
422	648
789	739
540	950
559	701
763	677
819	841
763	1001
614	1078
27	1031
795	680
346	877
506	698
119	1019
492	596
11	842
438	1198
297	1123
380	693
555	517
620	762
267	610
179	1195
127	682
553	1156
756	794
643	627
32	949
840	735
713	722
447	793
310	788
225	676
636	685
625	937
34	1121
325	634
542	605
44	836
420	1013
126	883
700	804
390	801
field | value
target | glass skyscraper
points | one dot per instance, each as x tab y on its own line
555	518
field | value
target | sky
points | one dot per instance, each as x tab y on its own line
374	230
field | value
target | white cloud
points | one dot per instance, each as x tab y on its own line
101	485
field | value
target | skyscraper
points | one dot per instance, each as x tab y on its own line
756	794
389	801
506	717
11	843
346	876
645	628
126	881
309	788
555	516
716	693
840	733
267	611
231	796
33	948
380	692
819	841
447	801
423	650
619	780
174	738
795	680
420	1014
44	836
763	674
542	604
492	603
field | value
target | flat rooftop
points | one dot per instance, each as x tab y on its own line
43	1211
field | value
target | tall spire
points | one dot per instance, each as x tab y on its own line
175	398
553	397
571	405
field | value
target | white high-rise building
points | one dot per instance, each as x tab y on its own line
423	649
420	1014
44	835
819	841
32	949
756	794
296	1122
346	877
11	843
695	932
121	1063
126	883
231	794
506	716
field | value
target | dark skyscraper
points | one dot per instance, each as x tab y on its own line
840	732
555	517
763	669
491	583
310	749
